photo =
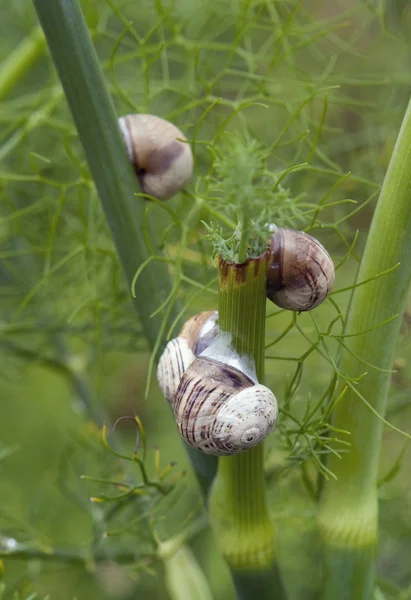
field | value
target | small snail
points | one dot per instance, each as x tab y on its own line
300	273
163	163
196	335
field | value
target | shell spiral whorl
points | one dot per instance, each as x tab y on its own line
221	410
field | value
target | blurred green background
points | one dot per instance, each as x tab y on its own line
70	340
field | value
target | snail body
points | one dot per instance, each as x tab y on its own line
196	335
163	163
300	272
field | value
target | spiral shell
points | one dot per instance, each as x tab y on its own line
196	335
301	272
163	163
219	409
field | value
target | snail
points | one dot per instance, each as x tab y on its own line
197	333
300	272
163	163
219	406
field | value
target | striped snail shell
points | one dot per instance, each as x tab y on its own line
196	335
163	163
220	408
300	273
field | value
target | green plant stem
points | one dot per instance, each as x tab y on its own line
348	515
20	60
72	556
238	506
245	235
60	364
184	578
93	112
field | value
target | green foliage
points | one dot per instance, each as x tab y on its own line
249	195
292	110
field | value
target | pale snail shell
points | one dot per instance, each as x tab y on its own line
162	162
300	273
196	335
219	409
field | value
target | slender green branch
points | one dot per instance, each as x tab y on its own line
348	514
81	76
20	60
62	366
245	234
37	117
238	506
11	549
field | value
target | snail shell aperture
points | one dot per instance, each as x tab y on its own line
163	163
300	273
196	335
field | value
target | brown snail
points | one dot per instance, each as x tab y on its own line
219	406
163	163
300	272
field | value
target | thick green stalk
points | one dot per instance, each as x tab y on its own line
81	76
93	112
348	515
238	506
20	60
